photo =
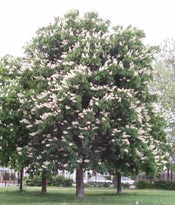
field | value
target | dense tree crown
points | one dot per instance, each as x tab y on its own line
85	99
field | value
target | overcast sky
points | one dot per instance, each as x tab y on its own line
19	19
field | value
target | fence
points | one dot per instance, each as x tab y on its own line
8	177
167	175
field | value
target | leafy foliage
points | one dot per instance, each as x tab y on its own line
161	184
53	180
11	131
144	185
166	185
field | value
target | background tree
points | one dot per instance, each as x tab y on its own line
164	85
164	82
11	131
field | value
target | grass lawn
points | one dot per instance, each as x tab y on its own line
95	196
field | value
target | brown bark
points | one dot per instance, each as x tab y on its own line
119	185
44	182
21	179
79	182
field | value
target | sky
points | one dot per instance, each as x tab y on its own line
20	19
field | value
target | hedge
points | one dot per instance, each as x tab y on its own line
161	184
167	185
144	185
59	181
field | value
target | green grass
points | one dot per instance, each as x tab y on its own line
95	196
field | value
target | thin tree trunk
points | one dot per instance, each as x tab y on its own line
5	176
79	182
43	182
21	179
119	185
168	174
171	175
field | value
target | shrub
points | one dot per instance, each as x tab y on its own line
106	184
54	180
97	184
144	185
33	181
161	184
126	185
60	181
167	185
67	182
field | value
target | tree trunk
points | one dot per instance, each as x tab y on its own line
43	182
115	181
5	176
168	174
79	182
171	175
119	185
21	179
